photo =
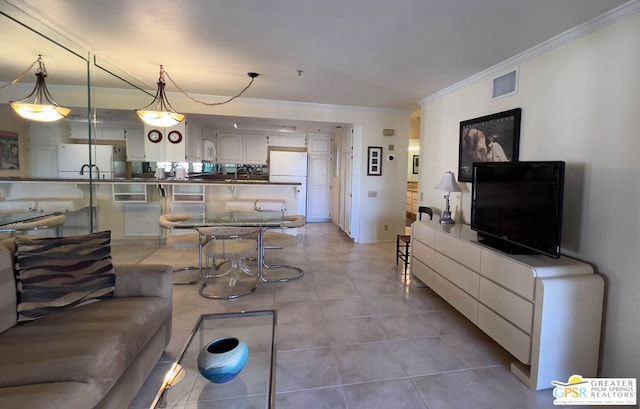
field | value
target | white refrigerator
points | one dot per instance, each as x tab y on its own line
290	167
72	158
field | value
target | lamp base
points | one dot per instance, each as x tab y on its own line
446	218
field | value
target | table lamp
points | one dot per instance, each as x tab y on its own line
448	184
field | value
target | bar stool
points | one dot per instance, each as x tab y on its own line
226	244
403	241
181	242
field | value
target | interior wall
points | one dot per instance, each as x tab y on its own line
11	122
580	104
414	149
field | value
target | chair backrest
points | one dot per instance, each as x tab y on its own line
169	221
48	222
425	209
293	221
228	232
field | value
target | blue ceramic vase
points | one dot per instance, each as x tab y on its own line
223	359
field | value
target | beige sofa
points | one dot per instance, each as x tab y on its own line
96	355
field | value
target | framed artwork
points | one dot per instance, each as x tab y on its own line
374	162
9	153
491	138
416	164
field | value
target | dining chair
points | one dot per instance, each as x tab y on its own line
44	223
282	239
234	246
181	242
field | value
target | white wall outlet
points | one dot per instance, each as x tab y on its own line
373	193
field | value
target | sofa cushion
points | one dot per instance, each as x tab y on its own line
55	395
92	344
55	274
8	315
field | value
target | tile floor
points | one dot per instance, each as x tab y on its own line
352	333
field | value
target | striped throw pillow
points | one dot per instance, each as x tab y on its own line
56	274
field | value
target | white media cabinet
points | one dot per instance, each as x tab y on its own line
546	312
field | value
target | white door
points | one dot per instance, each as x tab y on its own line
319	188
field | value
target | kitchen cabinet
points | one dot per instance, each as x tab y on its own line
255	149
319	143
230	148
135	144
195	132
103	132
130	192
188	193
287	140
534	306
165	144
242	149
43	147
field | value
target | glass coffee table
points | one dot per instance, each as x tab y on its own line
254	387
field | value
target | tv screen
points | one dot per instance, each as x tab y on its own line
517	206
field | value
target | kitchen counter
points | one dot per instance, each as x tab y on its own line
154	181
130	207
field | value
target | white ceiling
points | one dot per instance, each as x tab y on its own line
371	53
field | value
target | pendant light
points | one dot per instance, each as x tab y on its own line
160	112
39	105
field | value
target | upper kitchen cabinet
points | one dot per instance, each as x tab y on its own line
165	144
242	149
255	150
135	144
194	149
43	147
319	143
178	143
104	132
287	140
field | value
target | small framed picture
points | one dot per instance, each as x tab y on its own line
374	156
416	164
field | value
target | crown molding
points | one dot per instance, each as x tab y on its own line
612	16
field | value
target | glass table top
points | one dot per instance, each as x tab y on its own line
254	387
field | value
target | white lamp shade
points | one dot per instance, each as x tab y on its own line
448	183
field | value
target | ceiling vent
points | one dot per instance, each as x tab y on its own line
505	85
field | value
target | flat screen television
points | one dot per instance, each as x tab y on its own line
516	207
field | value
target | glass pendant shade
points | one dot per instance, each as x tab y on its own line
159	112
39	105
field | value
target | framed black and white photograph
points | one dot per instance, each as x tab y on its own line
490	138
416	164
374	162
9	152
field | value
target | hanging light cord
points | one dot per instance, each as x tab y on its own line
23	73
253	76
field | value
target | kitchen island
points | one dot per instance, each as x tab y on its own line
130	207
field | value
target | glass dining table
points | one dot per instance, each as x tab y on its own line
262	220
8	218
